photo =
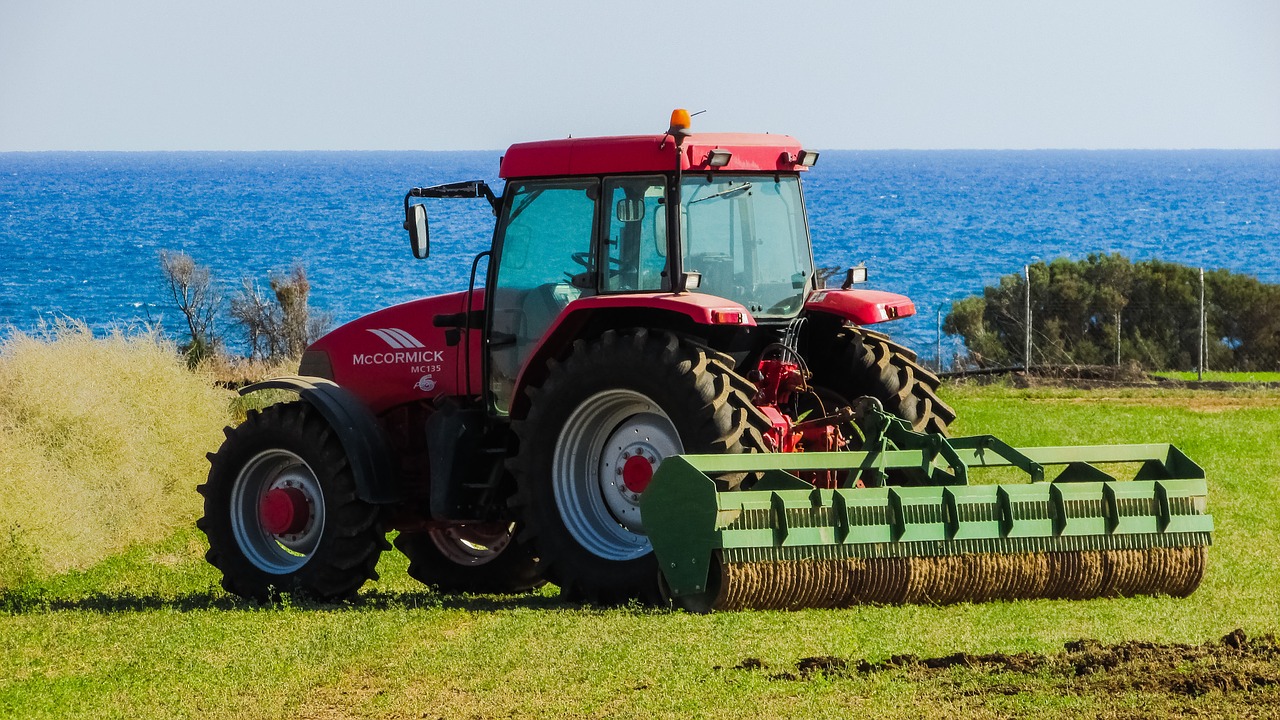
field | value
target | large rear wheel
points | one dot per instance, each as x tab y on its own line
281	512
597	429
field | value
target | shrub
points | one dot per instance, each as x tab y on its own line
280	329
1091	310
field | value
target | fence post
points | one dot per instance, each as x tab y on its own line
1026	353
938	336
1117	338
1200	366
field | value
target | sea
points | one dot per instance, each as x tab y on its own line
81	233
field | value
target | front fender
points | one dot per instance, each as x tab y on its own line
358	431
862	307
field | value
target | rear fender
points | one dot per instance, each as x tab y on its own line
587	317
357	429
861	307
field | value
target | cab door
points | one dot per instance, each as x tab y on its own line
546	259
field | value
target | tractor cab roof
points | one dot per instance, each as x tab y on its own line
747	152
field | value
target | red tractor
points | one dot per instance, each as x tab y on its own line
645	296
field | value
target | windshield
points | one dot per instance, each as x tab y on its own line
747	237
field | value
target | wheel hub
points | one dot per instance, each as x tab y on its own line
284	511
631	455
277	511
636	472
605	457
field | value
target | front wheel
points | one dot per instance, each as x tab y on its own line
281	512
856	362
597	429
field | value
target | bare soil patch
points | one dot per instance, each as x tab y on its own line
1234	664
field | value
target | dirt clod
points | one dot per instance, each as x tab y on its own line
1235	639
821	664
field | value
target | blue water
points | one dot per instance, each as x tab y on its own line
80	233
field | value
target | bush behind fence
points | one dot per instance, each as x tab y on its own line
1107	310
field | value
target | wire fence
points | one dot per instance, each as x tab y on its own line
1181	324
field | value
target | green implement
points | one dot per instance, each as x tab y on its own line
910	528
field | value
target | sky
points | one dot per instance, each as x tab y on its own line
399	75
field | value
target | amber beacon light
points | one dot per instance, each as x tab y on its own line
680	119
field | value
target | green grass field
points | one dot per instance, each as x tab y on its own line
1216	376
148	634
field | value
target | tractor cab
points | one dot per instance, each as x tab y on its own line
674	215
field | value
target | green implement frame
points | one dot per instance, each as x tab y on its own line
693	527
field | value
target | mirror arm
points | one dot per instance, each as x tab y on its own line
494	201
465	189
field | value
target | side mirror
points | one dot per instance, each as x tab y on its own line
415	221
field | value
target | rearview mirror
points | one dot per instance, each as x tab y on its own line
629	210
415	221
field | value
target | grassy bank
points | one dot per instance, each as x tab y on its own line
148	634
101	443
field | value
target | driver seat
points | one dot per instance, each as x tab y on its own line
541	306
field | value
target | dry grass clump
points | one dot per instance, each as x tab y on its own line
102	442
234	372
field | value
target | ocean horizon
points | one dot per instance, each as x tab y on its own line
81	231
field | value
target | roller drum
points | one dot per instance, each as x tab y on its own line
949	579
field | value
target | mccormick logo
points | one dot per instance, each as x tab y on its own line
397	338
400	340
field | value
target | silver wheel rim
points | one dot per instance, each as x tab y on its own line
267	551
597	508
472	545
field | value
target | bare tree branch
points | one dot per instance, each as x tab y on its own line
192	289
